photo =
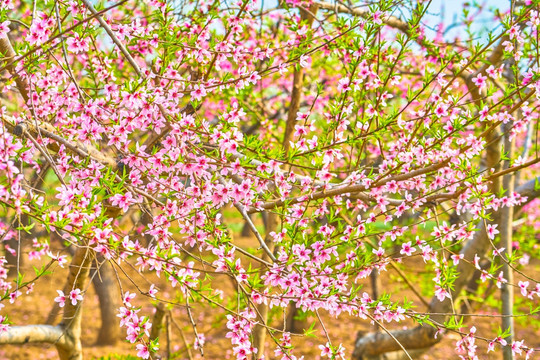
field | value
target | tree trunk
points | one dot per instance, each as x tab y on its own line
246	230
72	318
108	294
157	322
292	323
259	332
67	335
507	218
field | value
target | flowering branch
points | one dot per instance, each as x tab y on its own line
424	335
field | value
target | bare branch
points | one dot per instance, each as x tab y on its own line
113	37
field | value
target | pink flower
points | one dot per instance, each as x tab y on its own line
75	295
377	17
344	85
198	92
199	341
304	61
501	341
61	298
76	45
123	201
340	352
62	260
524	260
523	286
13	296
143	351
456	258
301	252
379	252
484	113
513	32
254	77
4	28
500	280
441	293
407	249
128	297
480	81
491	71
517	347
491	231
153	291
3	327
326	350
441	110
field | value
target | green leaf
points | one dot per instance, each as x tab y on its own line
310	332
27	228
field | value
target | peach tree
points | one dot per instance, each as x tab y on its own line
350	138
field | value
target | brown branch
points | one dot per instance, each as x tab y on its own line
349	189
298	84
366	14
47	130
9	53
113	37
18	335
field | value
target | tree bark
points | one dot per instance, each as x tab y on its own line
72	318
259	331
19	335
67	335
507	218
157	322
246	230
108	294
293	324
9	53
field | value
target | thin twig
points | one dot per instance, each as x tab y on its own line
113	37
389	334
193	324
188	347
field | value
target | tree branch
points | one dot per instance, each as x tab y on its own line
366	14
339	189
298	84
423	336
18	335
113	37
9	54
